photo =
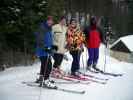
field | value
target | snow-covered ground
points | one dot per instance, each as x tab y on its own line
120	88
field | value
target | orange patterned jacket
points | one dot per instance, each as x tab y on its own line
75	39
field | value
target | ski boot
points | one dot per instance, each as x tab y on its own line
76	74
88	68
91	68
56	72
49	84
96	69
39	80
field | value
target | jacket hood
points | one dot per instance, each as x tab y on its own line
44	24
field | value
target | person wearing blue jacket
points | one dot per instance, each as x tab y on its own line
44	44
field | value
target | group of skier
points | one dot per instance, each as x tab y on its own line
55	40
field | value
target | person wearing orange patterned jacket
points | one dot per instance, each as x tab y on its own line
75	41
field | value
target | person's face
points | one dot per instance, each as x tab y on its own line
73	24
50	22
94	22
63	22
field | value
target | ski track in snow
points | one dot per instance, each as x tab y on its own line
117	88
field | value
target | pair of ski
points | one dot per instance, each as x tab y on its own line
111	74
106	73
34	84
94	77
83	79
68	80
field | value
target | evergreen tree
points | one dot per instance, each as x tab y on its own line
130	21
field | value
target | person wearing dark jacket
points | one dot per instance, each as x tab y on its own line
44	42
93	39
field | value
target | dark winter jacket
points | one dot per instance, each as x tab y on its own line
44	39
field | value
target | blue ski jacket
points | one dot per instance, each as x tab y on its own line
44	39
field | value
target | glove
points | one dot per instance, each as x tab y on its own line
75	45
82	49
47	49
54	47
65	57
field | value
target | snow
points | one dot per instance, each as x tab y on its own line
127	40
120	88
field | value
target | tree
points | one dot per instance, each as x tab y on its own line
56	8
18	21
130	22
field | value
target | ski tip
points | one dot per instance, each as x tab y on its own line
83	92
121	74
118	75
106	79
23	82
104	83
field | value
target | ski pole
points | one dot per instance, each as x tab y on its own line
83	63
105	58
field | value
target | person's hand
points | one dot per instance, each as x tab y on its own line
65	57
54	47
47	49
82	49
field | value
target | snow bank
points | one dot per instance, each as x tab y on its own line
120	88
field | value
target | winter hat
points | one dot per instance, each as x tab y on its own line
62	17
49	18
93	20
73	19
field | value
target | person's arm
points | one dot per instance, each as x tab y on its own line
40	38
40	35
85	31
